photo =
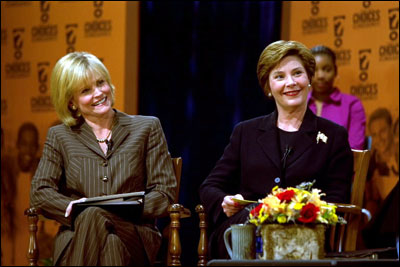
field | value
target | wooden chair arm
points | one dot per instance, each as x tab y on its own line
347	208
352	214
176	212
353	209
33	249
203	241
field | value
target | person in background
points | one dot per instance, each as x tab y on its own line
285	148
327	101
97	151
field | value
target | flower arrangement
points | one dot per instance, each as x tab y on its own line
301	204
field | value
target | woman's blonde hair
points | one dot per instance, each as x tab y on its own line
71	73
275	52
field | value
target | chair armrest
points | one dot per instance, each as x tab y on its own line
347	208
176	212
203	240
353	209
32	211
33	249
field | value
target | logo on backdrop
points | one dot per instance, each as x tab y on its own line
42	102
70	36
367	17
390	51
98	27
343	56
18	68
44	32
315	24
3	36
364	90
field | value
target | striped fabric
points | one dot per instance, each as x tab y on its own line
74	166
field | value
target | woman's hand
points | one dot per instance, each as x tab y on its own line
69	208
231	207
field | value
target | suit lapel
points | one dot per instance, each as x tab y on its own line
86	136
120	131
268	138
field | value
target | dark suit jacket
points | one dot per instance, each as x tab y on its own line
251	163
73	166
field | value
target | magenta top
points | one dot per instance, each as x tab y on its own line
346	110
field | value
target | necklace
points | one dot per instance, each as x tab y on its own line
109	133
105	139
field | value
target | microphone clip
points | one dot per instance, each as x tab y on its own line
109	144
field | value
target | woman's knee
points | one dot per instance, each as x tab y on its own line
92	216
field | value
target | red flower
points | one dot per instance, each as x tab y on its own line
308	213
256	210
285	195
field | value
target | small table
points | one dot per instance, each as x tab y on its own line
323	262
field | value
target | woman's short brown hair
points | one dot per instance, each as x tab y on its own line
72	72
275	52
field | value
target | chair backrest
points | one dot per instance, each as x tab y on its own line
361	164
344	237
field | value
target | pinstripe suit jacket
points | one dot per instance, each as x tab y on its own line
73	166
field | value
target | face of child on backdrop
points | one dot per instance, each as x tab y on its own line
27	147
380	127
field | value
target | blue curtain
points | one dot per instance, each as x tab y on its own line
198	64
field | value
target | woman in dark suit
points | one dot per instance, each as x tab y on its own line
98	151
285	148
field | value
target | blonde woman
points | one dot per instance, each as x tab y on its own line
98	150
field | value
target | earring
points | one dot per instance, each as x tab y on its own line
269	94
73	107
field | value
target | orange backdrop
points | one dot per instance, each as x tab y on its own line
34	35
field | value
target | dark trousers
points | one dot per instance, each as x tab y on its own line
102	238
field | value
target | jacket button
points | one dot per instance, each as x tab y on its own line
277	180
105	178
104	163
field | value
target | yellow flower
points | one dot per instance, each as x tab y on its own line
281	218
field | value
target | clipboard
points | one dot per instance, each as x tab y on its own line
128	206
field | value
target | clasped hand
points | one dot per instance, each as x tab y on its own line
231	207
